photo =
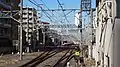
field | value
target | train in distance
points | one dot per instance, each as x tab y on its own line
67	43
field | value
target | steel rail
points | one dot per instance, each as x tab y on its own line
65	56
42	57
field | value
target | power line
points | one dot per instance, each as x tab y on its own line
48	15
49	9
69	12
42	10
67	9
62	10
35	1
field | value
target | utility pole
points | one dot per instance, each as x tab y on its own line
43	37
37	31
91	25
92	33
21	12
80	24
84	6
43	32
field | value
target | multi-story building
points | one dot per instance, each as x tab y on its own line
107	33
8	26
48	36
30	20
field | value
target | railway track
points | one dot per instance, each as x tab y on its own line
42	57
67	55
64	59
61	61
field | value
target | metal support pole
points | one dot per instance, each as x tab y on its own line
92	32
80	21
21	11
43	38
37	31
80	26
37	35
91	27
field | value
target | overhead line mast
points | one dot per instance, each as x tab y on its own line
21	20
85	6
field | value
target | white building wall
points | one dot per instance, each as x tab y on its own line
116	55
94	51
29	22
109	44
97	44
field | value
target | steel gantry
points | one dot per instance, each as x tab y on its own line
85	6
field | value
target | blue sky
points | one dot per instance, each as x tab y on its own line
53	4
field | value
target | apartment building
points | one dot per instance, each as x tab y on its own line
30	21
107	33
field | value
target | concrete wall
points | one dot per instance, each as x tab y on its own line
107	44
116	55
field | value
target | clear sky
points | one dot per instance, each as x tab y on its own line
53	4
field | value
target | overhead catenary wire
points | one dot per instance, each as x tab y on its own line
68	13
35	1
62	10
41	10
49	9
57	10
48	15
67	9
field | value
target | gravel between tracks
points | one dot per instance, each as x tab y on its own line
12	60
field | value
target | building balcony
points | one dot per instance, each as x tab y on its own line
30	21
25	16
30	11
29	25
25	21
25	11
